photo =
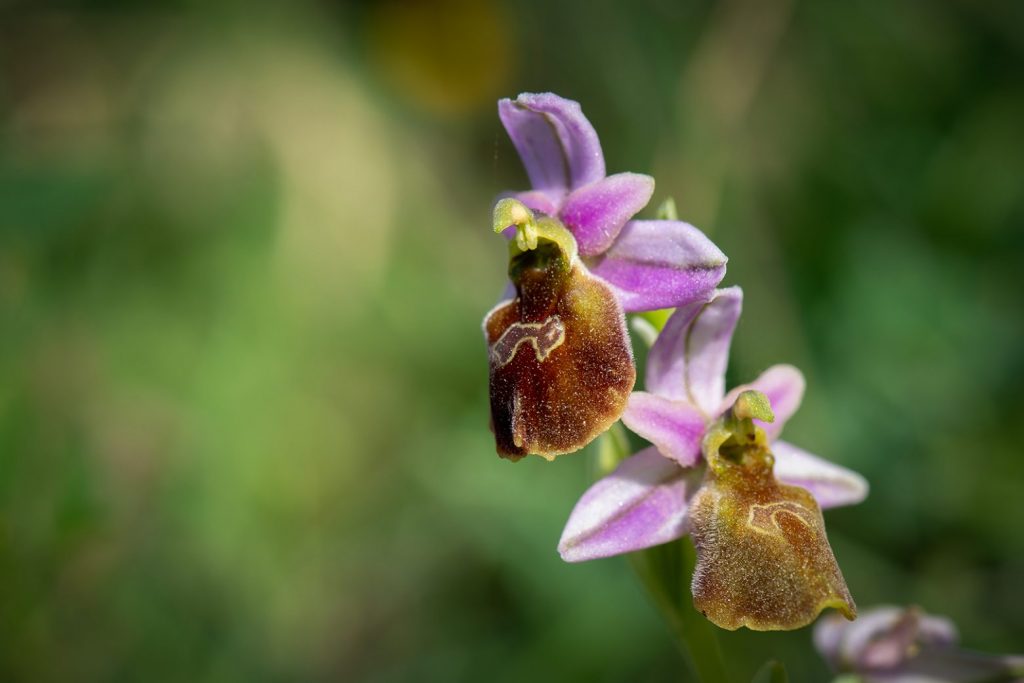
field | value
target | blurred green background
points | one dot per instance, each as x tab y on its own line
244	255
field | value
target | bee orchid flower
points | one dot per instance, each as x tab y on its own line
718	471
561	364
649	264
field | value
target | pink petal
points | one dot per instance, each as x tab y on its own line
689	359
544	202
641	504
674	427
596	213
661	264
784	387
666	361
831	485
557	144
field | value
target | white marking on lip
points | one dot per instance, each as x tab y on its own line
544	337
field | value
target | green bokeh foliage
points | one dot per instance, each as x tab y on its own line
244	255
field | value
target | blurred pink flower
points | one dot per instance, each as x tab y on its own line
905	645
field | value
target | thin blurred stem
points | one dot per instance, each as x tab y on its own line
665	571
698	634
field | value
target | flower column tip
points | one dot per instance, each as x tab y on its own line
753	404
511	212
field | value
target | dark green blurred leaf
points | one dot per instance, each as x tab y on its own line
771	672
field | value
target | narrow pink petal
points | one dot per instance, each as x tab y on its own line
596	213
666	362
674	427
693	351
641	504
661	264
784	387
556	142
831	485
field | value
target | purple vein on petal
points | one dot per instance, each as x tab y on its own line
707	348
666	362
661	264
558	145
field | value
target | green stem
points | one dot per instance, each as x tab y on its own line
665	571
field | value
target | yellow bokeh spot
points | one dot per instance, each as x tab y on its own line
447	56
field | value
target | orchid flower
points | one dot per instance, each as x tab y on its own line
649	264
577	263
561	365
906	645
712	472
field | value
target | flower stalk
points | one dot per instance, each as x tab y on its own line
665	573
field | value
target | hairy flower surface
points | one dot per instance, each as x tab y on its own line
763	560
906	645
761	543
649	264
561	366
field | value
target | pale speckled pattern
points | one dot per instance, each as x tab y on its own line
763	558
